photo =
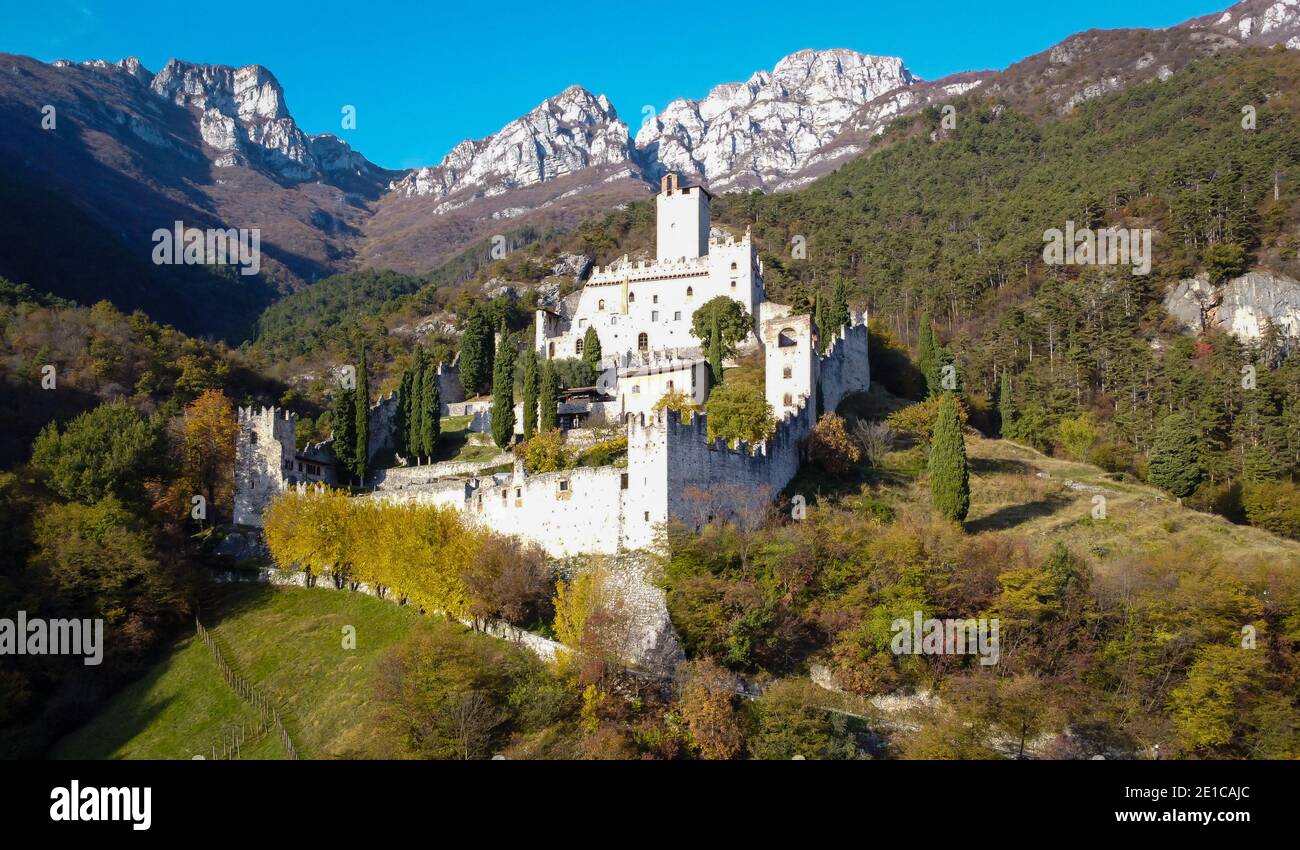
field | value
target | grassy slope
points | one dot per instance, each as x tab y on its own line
289	642
1007	493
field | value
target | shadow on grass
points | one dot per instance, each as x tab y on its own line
994	465
1013	515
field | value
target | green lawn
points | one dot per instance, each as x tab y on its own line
289	641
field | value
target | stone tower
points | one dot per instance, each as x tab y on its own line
682	220
791	356
264	456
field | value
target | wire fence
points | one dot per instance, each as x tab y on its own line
268	715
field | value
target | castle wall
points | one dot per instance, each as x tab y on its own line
569	512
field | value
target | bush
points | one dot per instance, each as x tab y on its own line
545	452
1273	506
918	419
1113	456
604	453
831	447
1223	499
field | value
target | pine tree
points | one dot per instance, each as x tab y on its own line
1006	407
591	353
503	392
949	475
548	398
928	356
530	393
715	352
414	436
1175	461
430	411
476	352
345	432
362	403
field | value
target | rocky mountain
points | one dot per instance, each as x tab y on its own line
217	146
572	131
752	134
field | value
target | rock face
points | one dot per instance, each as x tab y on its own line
1243	306
567	133
756	132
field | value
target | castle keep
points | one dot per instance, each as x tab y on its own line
642	314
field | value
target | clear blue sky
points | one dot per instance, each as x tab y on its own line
424	75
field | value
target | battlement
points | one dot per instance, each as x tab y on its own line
648	270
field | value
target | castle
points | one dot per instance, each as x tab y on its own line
642	314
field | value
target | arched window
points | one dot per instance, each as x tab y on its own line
631	297
733	267
786	339
577	347
600	305
642	342
690	291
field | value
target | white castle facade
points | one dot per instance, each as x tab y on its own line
642	313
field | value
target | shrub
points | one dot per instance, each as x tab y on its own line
604	453
918	420
831	446
1273	506
545	452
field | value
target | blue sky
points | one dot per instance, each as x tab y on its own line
424	75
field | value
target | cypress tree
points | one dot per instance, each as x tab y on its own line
1006	407
414	437
1175	460
403	415
591	353
430	411
715	351
345	432
476	353
928	356
949	476
837	312
548	398
362	403
530	393
503	393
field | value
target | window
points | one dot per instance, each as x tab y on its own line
636	389
654	299
577	346
622	481
733	267
733	284
642	342
787	373
582	322
786	338
564	485
690	291
647	516
551	351
600	305
631	297
789	402
677	315
670	386
654	315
